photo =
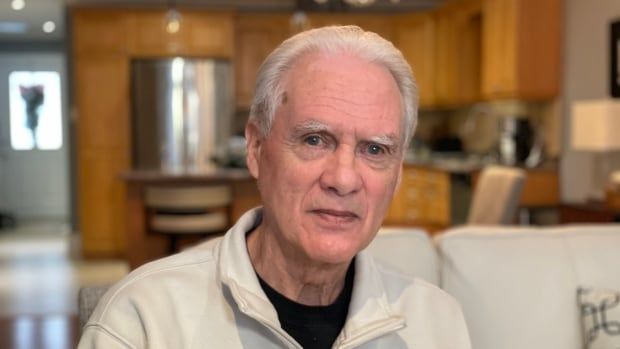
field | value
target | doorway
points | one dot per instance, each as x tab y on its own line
34	166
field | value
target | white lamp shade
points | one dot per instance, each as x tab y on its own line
596	125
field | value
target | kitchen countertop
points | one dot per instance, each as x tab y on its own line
449	162
457	163
464	163
212	176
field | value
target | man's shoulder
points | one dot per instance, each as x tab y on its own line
192	260
145	300
186	272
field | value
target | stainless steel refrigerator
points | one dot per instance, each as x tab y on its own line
181	113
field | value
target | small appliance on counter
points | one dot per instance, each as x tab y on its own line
181	113
519	144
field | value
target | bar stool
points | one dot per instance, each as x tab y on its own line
178	211
496	196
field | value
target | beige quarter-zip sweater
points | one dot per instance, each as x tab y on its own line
209	297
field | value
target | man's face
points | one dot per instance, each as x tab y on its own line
329	167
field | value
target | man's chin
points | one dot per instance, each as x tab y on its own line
332	252
335	260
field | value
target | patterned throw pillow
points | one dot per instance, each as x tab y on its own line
600	317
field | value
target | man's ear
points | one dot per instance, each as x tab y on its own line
254	142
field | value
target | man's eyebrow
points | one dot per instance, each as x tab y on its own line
311	126
388	140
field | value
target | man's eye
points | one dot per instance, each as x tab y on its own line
313	140
375	149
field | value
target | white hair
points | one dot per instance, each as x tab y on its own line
332	39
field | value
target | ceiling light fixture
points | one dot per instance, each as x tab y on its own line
173	18
49	27
299	22
355	3
359	3
18	5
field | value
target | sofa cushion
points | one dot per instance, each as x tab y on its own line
409	251
600	317
517	285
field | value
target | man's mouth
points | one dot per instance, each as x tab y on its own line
336	214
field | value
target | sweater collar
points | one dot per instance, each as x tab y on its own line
370	314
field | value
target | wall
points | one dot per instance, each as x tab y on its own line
33	184
586	74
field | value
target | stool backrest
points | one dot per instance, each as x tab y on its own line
188	197
496	196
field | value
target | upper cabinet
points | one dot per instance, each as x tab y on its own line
521	49
142	33
98	32
458	53
415	36
200	34
256	36
464	52
378	24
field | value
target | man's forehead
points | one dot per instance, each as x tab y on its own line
320	68
341	93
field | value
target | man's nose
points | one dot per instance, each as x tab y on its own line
341	174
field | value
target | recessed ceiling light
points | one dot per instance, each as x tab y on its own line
18	5
49	26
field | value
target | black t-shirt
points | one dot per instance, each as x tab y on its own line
313	326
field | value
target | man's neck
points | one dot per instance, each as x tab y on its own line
291	273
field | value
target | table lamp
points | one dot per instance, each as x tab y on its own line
596	129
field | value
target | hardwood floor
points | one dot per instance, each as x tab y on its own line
39	331
39	282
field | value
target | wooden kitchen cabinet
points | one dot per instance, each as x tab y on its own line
458	53
423	199
204	34
101	196
541	188
98	32
101	85
381	25
521	49
256	35
415	35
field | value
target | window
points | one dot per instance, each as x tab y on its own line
36	119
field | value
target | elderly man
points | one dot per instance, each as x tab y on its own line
332	115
